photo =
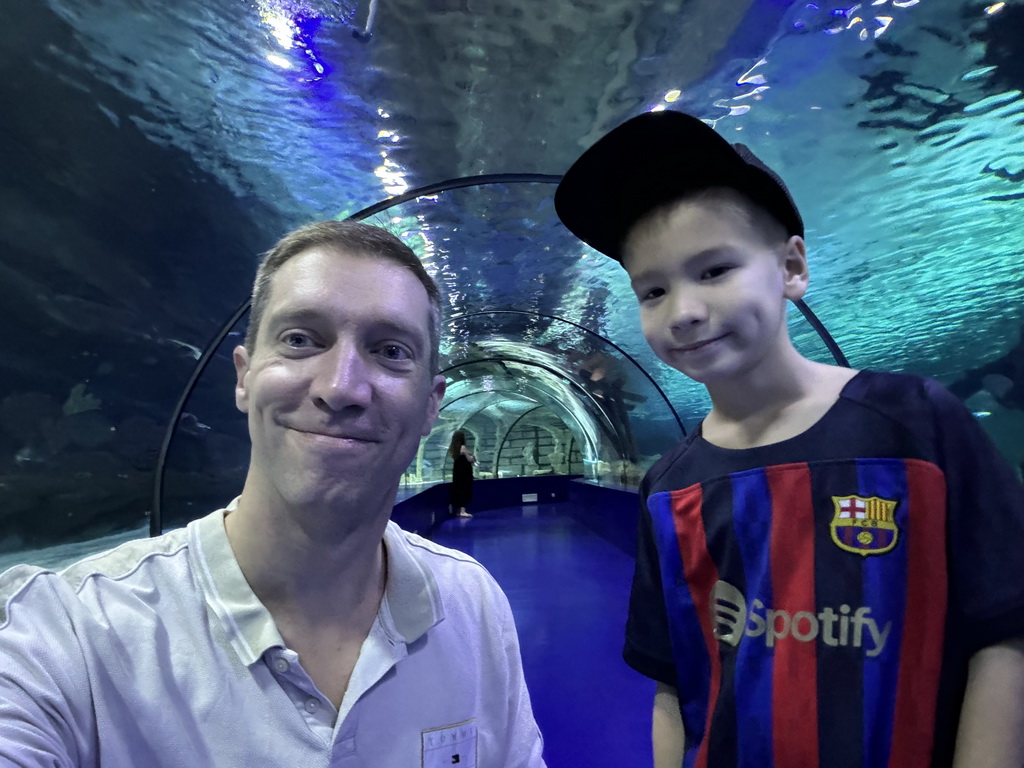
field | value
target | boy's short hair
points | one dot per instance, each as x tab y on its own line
655	159
350	237
770	230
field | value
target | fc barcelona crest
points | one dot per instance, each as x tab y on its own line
864	526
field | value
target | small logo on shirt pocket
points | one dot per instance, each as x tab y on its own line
450	745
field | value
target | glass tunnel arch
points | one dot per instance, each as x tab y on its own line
598	418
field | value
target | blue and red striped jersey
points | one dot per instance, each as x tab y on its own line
815	602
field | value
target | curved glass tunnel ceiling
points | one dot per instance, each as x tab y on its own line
160	147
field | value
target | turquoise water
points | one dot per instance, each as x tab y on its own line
155	149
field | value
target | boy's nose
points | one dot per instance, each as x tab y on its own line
687	309
343	380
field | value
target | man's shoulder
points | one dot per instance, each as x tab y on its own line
454	578
434	554
119	566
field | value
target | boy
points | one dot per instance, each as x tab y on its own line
827	569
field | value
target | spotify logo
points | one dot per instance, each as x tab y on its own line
843	627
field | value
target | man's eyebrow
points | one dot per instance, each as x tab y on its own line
296	316
301	316
413	332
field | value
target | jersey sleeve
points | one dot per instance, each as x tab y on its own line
648	647
985	527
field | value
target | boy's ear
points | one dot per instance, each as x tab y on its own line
794	263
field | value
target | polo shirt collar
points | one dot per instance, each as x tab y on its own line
411	604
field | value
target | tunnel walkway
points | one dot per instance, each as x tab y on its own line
569	589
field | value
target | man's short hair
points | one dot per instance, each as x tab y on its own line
348	237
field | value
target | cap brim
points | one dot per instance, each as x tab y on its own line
649	161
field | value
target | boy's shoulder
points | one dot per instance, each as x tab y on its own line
893	408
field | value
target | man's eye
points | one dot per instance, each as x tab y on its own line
297	340
394	352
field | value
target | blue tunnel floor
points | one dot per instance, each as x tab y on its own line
569	590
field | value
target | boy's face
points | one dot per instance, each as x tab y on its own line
713	287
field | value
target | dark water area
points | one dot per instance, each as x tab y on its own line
149	153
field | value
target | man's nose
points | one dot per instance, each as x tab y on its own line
343	380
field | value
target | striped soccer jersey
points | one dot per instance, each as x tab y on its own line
815	602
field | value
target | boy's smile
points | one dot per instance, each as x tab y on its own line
712	287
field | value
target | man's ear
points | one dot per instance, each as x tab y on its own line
796	274
241	359
437	390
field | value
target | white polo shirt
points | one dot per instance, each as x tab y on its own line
157	653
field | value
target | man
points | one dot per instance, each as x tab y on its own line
297	627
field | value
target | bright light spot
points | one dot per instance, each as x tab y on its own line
880	2
905	3
281	61
995	8
319	68
863	34
658	108
854	22
883	24
385	134
382	113
815	107
281	27
391	174
749	77
673	95
752	94
741	110
974	74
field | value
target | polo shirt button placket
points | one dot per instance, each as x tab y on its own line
312	705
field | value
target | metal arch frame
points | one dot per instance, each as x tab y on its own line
460	183
475	394
606	425
607	341
156	513
478	411
504	439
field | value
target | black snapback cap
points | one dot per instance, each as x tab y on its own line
651	160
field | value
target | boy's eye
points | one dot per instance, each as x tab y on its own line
651	293
716	271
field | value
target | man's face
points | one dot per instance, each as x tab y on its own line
338	389
712	289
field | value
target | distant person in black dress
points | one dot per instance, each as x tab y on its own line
462	474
